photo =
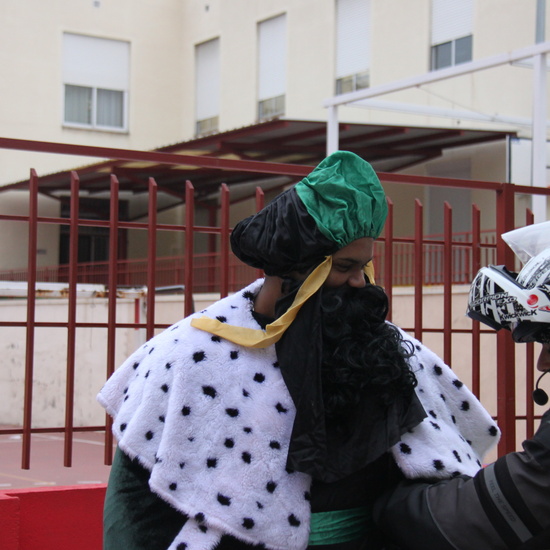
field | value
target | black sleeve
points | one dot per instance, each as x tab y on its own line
506	505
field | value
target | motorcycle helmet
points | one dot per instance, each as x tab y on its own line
517	302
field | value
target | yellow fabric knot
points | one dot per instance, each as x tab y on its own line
257	338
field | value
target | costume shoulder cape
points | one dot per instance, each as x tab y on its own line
212	421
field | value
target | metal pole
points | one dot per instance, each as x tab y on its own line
538	152
332	129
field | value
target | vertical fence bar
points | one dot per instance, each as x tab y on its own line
260	201
418	269
506	364
447	283
212	242
388	258
111	307
152	258
476	329
31	311
71	328
189	242
224	241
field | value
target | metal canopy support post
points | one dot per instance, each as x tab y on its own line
538	156
332	130
538	151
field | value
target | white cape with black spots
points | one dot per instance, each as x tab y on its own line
212	420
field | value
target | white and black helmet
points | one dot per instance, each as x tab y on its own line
518	302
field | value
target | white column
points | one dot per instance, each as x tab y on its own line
332	130
538	159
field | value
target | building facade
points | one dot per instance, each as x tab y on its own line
113	73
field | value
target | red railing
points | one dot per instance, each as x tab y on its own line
169	270
458	257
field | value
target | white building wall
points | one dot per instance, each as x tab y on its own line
163	35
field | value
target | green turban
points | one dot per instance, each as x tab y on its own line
344	197
340	201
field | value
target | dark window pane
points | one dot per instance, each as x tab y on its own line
463	49
442	55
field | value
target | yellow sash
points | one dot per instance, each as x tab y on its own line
257	338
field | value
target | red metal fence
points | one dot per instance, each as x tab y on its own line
169	270
412	256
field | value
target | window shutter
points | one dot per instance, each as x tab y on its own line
207	79
352	37
272	58
451	19
96	62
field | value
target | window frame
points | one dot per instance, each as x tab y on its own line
94	125
453	43
84	66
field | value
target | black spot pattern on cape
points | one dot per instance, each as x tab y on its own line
209	391
465	406
234	354
405	449
248	523
224	500
458	383
294	521
457	456
168	366
216	339
438	370
173	486
280	408
438	465
271	486
211	462
493	431
149	435
164	388
259	377
275	445
246	457
232	412
199	356
221	319
229	443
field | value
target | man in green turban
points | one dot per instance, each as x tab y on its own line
276	417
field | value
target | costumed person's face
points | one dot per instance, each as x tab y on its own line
543	363
348	264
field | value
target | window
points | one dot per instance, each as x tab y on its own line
95	82
271	67
207	87
352	45
452	40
